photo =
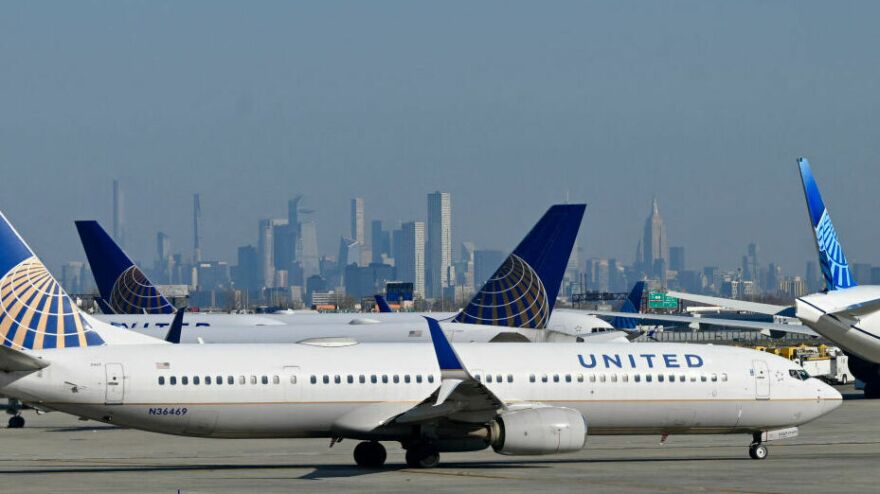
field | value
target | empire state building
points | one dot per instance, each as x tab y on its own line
653	247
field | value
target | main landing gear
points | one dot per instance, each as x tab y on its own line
757	450
422	455
370	454
16	422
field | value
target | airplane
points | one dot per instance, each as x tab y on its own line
845	313
431	398
136	303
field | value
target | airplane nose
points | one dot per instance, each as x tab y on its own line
830	397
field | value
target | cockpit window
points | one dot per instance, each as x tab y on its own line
799	374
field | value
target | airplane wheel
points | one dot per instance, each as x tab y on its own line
370	454
758	451
16	422
423	456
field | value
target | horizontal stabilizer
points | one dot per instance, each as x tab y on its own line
18	361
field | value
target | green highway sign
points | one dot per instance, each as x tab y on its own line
659	300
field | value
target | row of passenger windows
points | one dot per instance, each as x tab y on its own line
219	381
418	378
373	379
611	377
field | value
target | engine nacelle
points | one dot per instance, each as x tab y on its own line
539	431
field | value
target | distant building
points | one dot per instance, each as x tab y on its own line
653	245
71	277
409	255
380	242
486	262
676	259
246	274
812	277
357	220
308	250
439	244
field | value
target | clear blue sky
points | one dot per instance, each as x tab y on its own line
510	106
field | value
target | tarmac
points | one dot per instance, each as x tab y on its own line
57	453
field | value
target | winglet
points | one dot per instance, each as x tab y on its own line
632	305
832	260
382	304
176	328
446	356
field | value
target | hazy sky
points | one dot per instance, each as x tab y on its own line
510	106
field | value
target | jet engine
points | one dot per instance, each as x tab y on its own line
539	431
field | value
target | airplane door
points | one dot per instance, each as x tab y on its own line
114	383
762	379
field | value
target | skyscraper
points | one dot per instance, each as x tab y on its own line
654	244
439	244
118	215
409	255
197	217
265	249
308	252
357	220
380	241
676	258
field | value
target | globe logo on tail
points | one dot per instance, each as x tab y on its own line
36	313
835	269
134	294
514	297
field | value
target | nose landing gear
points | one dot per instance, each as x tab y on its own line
757	450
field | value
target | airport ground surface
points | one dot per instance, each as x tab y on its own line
57	453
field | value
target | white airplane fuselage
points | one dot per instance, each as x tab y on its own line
859	335
262	391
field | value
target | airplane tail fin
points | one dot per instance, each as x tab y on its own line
832	260
632	305
35	312
382	304
125	289
523	290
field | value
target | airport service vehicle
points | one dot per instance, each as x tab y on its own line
521	294
517	399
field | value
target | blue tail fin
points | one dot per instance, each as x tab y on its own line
523	290
835	269
123	286
632	305
35	312
382	304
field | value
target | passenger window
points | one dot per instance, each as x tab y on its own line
624	378
556	378
544	378
207	380
161	380
374	379
419	378
648	378
326	379
499	378
362	379
601	378
637	378
313	379
592	378
350	379
568	378
184	380
264	379
714	378
406	378
431	378
672	378
195	379
659	378
724	377
681	378
703	378
173	380
488	378
510	378
230	380
580	378
693	378
384	378
253	379
614	378
531	378
219	380
242	380
478	378
396	378
337	379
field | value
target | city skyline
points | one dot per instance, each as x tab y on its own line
676	104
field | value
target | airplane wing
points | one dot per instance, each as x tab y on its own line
728	303
460	396
18	361
858	310
731	323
